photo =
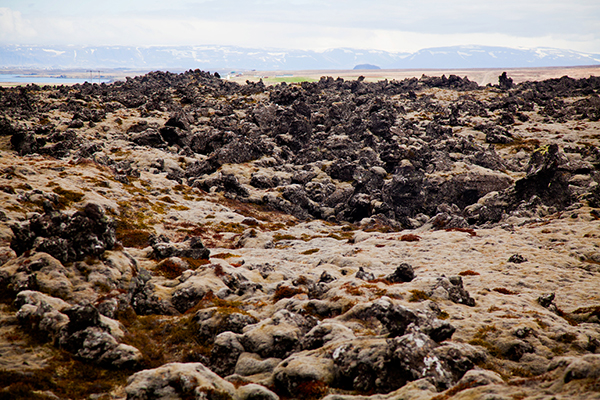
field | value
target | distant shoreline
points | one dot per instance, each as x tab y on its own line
482	76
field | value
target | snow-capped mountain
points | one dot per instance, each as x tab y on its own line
237	58
495	57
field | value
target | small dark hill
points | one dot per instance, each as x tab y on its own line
366	66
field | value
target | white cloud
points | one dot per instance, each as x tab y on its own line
393	25
13	26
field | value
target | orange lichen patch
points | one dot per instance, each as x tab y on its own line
341	236
484	330
224	256
381	280
285	292
182	188
410	237
590	260
468	273
166	199
376	291
24	186
236	265
279	236
67	197
195	263
593	310
470	231
238	381
211	235
190	228
566	317
224	307
541	323
522	144
133	226
454	390
504	290
137	238
480	337
302	280
163	339
258	211
379	227
311	390
230	227
273	226
309	252
352	289
170	269
418	296
64	377
219	271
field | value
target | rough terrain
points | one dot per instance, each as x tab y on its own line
182	236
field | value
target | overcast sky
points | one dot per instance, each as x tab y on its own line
391	25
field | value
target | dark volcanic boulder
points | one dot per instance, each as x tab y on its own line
505	82
462	189
227	183
213	321
546	178
79	329
225	353
264	181
357	131
26	142
393	317
192	248
144	300
149	137
382	366
174	135
497	134
546	183
455	290
405	191
88	232
404	273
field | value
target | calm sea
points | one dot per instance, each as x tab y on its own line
46	81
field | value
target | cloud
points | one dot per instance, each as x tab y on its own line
393	25
511	17
13	26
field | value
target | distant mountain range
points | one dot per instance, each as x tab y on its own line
238	58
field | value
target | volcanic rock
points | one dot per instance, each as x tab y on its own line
177	379
312	240
67	238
